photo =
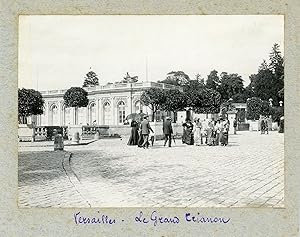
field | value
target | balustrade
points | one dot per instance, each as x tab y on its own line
46	132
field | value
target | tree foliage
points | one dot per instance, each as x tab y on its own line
175	100
230	86
177	78
277	112
213	80
270	77
257	107
154	98
76	97
91	79
30	102
204	100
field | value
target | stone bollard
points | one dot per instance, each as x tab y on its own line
58	141
97	135
75	138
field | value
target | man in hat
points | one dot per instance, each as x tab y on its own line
145	127
167	130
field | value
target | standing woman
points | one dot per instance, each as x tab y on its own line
134	136
210	133
197	132
217	131
140	140
188	137
221	134
225	133
262	126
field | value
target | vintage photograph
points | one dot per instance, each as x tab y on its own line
151	111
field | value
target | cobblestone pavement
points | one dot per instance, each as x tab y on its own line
249	172
43	181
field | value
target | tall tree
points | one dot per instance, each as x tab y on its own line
153	98
276	62
199	79
213	80
30	102
91	79
270	77
177	78
230	85
263	66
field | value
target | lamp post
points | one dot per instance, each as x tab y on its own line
271	102
280	103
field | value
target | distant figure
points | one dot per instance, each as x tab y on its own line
134	135
145	127
140	141
210	133
269	122
263	126
224	132
281	125
168	131
187	136
234	125
217	129
197	132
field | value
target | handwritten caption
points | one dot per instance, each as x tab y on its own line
151	218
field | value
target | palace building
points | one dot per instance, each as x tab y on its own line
108	105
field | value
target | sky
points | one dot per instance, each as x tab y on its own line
56	52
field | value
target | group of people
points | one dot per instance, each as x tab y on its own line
142	133
214	132
265	125
210	132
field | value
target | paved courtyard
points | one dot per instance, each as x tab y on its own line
249	172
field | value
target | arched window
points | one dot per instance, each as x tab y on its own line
138	108
67	116
92	113
121	112
54	116
106	113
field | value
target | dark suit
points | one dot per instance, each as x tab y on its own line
145	127
167	130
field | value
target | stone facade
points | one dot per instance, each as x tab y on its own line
108	105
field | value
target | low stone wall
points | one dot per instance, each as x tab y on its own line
88	132
25	132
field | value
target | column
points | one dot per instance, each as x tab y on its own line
48	114
97	111
72	115
113	111
59	113
100	101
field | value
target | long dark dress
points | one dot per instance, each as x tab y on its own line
134	135
224	135
188	136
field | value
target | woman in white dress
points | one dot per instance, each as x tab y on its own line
197	132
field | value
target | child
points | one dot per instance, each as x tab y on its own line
151	137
